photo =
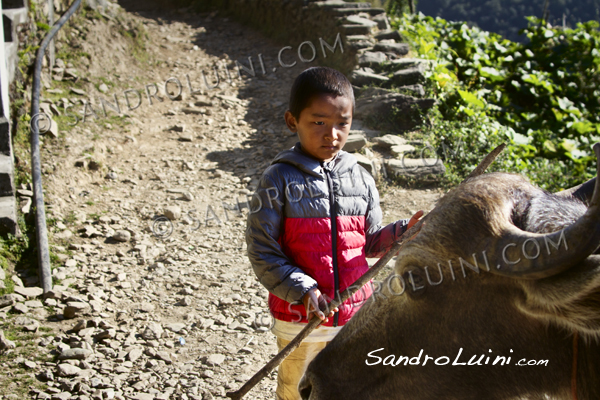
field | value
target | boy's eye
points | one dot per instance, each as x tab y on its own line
319	122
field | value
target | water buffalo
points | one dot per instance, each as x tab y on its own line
497	297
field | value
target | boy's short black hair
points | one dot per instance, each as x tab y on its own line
315	81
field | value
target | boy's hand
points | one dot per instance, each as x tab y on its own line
414	219
313	301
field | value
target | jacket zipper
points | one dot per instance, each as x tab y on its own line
333	239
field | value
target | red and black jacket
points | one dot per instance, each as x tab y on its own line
313	224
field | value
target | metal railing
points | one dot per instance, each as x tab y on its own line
36	170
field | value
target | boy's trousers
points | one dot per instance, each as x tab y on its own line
293	367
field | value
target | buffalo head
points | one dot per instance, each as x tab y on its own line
486	302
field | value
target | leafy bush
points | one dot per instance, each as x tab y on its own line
541	97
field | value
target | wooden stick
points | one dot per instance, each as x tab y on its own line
486	162
350	290
314	322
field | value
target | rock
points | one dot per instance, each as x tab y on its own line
99	5
175	327
142	396
81	324
46	376
20	308
355	19
68	370
415	167
399	149
103	88
2	274
186	301
355	143
75	354
371	58
61	396
78	91
70	263
367	164
388	141
32	328
18	282
50	302
382	21
6	344
363	78
7	300
177	128
172	212
112	175
34	304
74	308
30	364
165	356
392	110
412	90
134	354
25	205
147	307
408	76
122	236
388	34
400	49
215	359
153	331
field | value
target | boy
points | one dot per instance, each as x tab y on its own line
314	218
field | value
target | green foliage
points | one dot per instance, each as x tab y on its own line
541	96
507	17
43	26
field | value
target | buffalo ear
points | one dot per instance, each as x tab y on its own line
582	192
570	299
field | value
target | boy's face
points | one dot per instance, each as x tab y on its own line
323	126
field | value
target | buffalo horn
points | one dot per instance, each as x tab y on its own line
530	255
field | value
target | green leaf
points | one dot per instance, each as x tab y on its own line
471	99
492	73
564	103
549	147
583	127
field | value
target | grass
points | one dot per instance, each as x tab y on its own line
17	379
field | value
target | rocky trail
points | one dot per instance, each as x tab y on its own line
155	296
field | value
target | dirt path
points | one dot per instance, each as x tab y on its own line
180	316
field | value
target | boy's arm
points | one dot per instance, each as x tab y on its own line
379	239
272	267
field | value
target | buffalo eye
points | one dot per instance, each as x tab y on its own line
415	282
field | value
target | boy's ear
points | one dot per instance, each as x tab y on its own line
291	122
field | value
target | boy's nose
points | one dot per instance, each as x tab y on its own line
332	134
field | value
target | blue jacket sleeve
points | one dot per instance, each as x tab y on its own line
263	230
379	239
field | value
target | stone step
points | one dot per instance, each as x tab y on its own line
5	142
388	110
353	11
356	20
409	76
362	78
7	186
335	4
8	216
418	168
356	29
396	48
389	34
358	42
